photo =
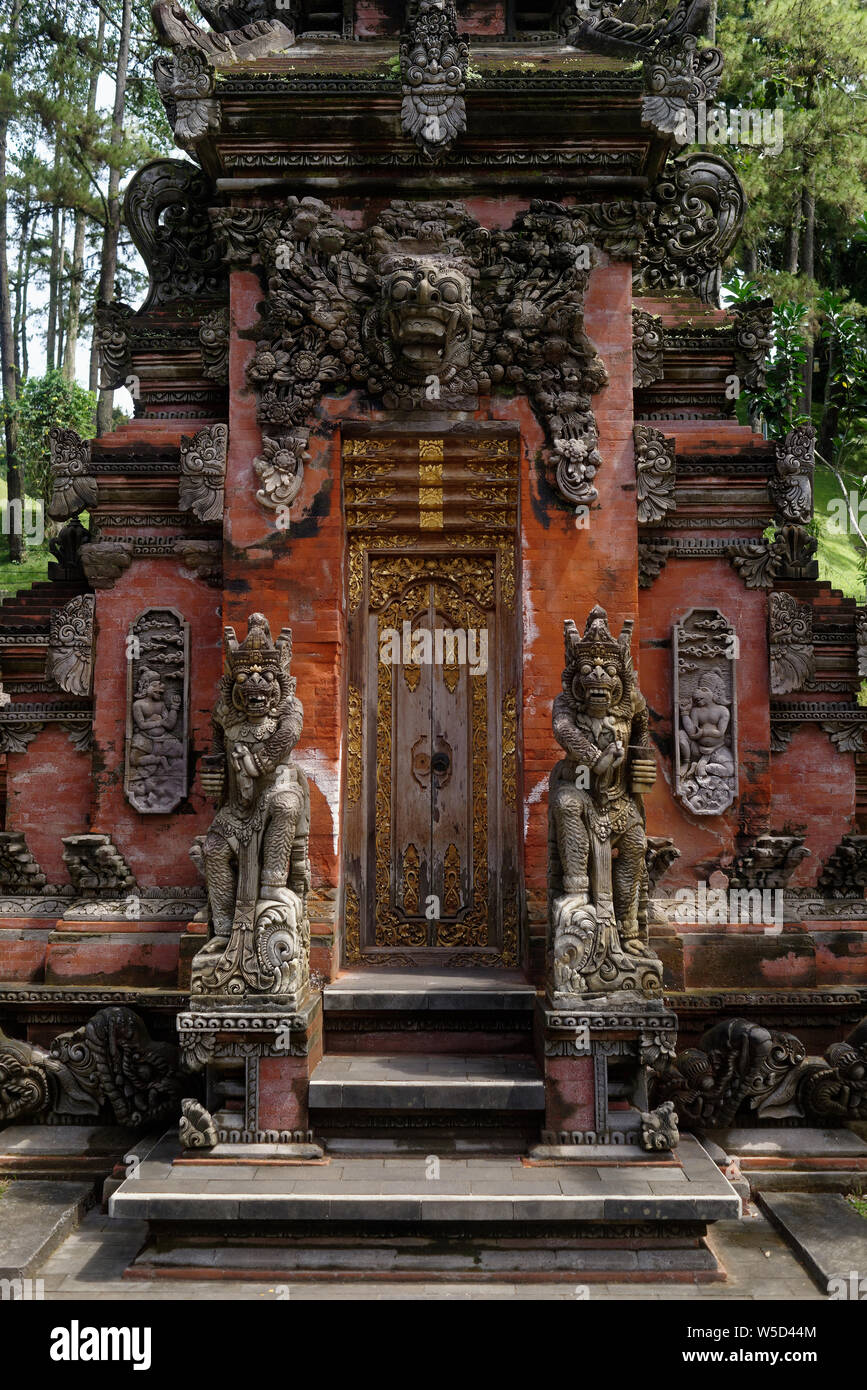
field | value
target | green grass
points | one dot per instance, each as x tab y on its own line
839	556
860	1205
34	567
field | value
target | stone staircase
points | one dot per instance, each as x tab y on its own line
434	1062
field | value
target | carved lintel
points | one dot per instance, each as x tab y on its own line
705	711
648	344
655	472
19	871
791	491
790	643
96	867
69	660
433	71
699	206
202	478
157	650
105	561
73	488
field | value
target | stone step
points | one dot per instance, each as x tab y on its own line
827	1235
407	1081
431	991
36	1217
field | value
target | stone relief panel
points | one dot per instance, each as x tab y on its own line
705	712
155	776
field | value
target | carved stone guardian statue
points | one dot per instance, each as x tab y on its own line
254	855
596	845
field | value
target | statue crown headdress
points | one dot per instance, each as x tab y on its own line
598	645
258	651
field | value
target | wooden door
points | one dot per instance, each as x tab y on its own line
431	811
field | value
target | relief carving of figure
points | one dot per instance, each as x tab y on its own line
154	748
597	840
255	853
707	766
428	317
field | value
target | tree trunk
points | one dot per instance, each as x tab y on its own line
793	237
108	266
53	279
25	356
20	272
7	345
751	262
808	244
79	236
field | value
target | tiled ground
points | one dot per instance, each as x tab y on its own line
90	1265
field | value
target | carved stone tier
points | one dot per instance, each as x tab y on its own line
598	1058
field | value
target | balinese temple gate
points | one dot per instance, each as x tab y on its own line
433	738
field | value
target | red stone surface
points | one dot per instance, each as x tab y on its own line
283	1086
569	1094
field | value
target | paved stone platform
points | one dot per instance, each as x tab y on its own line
827	1235
67	1152
407	1081
35	1218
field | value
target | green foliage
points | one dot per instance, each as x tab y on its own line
42	402
777	401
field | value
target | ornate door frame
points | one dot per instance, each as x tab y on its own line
432	516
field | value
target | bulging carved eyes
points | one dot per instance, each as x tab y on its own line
612	670
400	290
450	291
586	669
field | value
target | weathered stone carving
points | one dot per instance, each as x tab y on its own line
249	40
73	489
861	639
790	643
196	1129
768	863
792	490
105	561
659	856
202	477
740	1067
754	339
204	558
678	76
69	660
632	28
155	775
845	873
96	867
110	1063
186	84
111	332
19	871
66	549
698	209
652	558
790	555
648	343
255	853
433	70
705	712
598	928
659	1132
16	734
166	211
214	341
655	472
427	309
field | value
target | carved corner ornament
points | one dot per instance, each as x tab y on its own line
768	862
598	941
69	660
680	79
73	487
648	345
110	1064
113	346
186	81
166	210
790	555
791	490
705	712
255	854
105	561
655	473
754	338
157	712
19	871
790	643
97	868
696	214
433	70
196	1129
202	477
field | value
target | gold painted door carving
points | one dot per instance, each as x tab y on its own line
431	780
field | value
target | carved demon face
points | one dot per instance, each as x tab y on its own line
597	686
428	317
256	692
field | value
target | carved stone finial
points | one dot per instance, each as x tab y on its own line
196	1129
698	210
19	871
255	853
166	210
96	867
73	488
679	76
648	343
202	476
655	473
790	643
598	927
705	711
791	491
433	70
69	660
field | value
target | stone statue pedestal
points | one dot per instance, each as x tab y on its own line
597	1056
258	1063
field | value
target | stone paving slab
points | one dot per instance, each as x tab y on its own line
789	1143
445	991
35	1218
825	1232
411	1082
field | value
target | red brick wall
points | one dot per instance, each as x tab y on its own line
48	791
